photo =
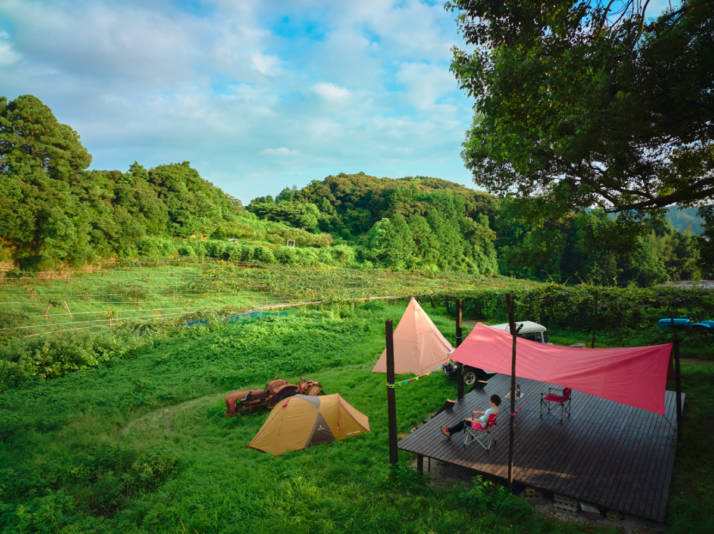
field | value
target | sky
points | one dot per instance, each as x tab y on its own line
257	95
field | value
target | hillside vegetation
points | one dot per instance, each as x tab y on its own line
431	224
54	213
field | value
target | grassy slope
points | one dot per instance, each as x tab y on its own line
141	443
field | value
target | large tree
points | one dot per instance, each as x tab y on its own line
41	161
590	103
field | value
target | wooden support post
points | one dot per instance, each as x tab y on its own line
459	338
391	400
68	310
592	337
459	381
420	464
677	378
459	317
514	334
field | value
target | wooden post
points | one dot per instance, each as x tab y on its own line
514	334
391	401
592	337
459	317
459	339
459	381
675	352
420	464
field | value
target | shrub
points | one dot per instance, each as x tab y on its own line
233	251
187	251
343	254
263	254
216	249
575	306
246	253
155	247
199	247
285	255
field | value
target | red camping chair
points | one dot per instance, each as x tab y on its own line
481	434
558	397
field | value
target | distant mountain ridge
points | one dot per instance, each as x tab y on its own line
685	219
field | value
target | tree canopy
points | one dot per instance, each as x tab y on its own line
589	103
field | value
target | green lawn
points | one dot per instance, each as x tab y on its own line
135	439
140	444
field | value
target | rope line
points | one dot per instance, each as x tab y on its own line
117	318
119	322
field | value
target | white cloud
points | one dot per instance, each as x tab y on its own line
331	92
266	65
282	151
7	55
425	83
100	41
358	85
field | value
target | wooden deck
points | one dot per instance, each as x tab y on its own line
607	454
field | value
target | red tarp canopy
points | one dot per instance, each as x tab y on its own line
635	376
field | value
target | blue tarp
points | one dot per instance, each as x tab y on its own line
242	317
684	322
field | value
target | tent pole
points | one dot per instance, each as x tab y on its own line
514	333
391	401
459	338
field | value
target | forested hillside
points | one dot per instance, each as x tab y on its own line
55	212
413	223
431	224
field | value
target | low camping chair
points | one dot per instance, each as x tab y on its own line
558	397
481	434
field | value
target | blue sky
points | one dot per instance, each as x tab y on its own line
256	94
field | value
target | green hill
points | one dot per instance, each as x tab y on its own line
415	223
53	211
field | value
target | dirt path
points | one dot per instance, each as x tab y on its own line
166	418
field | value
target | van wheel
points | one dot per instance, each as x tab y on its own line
469	378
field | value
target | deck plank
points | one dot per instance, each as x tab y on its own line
607	454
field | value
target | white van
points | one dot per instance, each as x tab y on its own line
529	330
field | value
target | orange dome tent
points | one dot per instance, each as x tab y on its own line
301	421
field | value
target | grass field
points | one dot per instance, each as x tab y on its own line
141	293
139	443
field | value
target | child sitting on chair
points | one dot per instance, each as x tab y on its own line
475	422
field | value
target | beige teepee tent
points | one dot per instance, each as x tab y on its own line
419	347
301	421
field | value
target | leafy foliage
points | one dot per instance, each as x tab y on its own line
590	247
54	212
410	223
589	102
625	316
